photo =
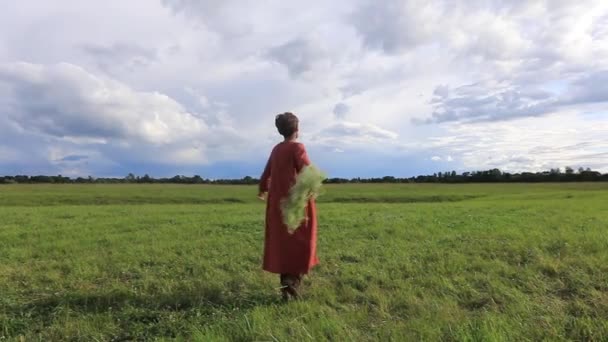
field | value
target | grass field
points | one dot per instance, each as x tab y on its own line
398	262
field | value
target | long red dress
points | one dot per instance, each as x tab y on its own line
285	253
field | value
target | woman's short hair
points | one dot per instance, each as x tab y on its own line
287	124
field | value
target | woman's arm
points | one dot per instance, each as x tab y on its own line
301	158
265	180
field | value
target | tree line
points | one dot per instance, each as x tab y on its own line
129	179
488	176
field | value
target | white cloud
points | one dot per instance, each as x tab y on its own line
73	107
65	101
193	82
446	158
342	135
529	144
358	130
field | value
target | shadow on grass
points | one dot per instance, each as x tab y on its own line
199	301
137	316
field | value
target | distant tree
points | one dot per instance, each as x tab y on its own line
59	179
8	180
41	179
569	170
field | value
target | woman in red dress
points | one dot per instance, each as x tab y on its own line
290	255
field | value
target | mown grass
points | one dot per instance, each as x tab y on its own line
398	262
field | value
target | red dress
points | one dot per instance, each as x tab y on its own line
285	253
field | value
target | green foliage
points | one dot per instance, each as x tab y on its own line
398	262
308	185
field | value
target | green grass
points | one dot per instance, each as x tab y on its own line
398	262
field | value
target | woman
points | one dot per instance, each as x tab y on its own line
290	255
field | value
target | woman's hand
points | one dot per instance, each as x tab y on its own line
262	196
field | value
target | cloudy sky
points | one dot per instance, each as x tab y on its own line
398	88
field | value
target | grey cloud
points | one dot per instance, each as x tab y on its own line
73	158
25	152
442	91
600	29
251	19
298	55
479	103
355	132
123	55
592	88
64	105
496	35
55	108
395	25
340	110
229	17
483	102
523	160
66	101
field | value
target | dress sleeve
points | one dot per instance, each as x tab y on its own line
265	179
301	158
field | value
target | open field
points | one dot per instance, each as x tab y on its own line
499	262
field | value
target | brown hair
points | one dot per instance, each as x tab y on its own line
287	124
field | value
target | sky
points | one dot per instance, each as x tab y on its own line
401	88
